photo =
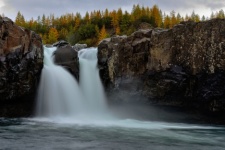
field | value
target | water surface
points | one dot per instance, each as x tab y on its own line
24	134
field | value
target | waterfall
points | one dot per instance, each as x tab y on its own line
90	83
59	94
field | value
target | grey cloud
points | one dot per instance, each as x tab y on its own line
34	8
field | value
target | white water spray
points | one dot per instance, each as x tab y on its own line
60	96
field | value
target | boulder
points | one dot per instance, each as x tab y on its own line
67	57
21	61
60	43
183	66
78	47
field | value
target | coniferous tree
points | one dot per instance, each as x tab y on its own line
63	34
157	16
87	18
220	14
115	20
102	33
187	18
106	13
77	23
179	18
119	14
75	28
173	19
167	22
203	18
52	35
20	21
125	22
212	15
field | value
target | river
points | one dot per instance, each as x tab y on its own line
127	134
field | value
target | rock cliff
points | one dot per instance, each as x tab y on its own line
21	61
183	66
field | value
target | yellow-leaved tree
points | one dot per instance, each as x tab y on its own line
157	16
20	21
53	35
102	34
167	22
115	19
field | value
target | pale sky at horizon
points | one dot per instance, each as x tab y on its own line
35	8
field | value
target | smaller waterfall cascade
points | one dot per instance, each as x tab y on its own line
59	94
90	82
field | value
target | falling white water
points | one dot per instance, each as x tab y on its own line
90	82
60	96
61	100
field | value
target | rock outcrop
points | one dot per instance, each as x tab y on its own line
21	61
67	57
78	47
60	43
182	66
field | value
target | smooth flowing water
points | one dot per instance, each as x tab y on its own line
59	94
90	84
61	97
75	116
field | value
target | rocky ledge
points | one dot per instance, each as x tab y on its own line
183	66
21	61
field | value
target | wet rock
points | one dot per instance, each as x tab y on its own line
21	61
60	43
183	66
67	57
78	47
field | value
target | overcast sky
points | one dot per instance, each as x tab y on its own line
35	8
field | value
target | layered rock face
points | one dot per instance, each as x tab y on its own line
21	61
183	66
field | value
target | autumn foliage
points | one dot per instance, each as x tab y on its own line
97	25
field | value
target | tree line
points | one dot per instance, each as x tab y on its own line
97	25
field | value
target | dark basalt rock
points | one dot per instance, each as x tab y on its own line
60	43
21	61
183	66
78	47
67	57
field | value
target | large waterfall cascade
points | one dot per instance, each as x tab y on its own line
62	100
59	94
